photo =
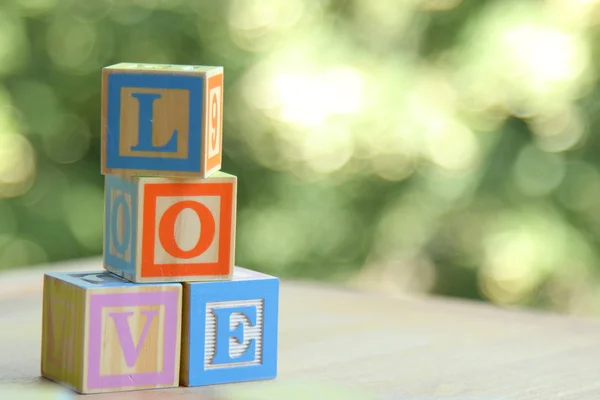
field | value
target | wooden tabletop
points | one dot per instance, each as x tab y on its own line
342	344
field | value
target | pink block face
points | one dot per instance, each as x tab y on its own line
132	340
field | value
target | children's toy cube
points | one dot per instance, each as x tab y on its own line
230	329
101	333
163	120
162	229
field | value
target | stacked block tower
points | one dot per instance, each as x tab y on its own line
169	307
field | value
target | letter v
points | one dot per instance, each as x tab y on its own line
130	350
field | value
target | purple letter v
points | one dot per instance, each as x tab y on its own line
130	350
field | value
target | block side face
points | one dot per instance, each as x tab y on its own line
133	338
120	224
233	326
103	121
142	232
188	228
86	340
185	337
81	331
62	332
213	123
233	231
271	330
153	122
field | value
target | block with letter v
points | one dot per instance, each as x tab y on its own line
103	334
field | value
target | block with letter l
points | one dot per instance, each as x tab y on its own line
163	120
101	333
230	329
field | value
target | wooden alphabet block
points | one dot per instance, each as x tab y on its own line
230	329
101	333
162	120
163	229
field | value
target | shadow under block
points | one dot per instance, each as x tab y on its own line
101	333
170	230
230	329
162	120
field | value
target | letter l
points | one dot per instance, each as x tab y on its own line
145	120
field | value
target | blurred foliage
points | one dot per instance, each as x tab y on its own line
422	145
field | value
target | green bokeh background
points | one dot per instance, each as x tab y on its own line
440	146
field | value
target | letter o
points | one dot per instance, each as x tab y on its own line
166	229
122	246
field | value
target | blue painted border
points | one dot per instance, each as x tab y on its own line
114	182
194	84
206	292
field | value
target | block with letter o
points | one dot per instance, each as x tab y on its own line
169	229
162	120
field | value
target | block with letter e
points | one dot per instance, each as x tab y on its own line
170	229
101	333
163	120
230	329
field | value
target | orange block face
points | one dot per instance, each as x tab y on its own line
180	230
189	229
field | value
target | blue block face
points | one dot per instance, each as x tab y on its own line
120	224
232	329
154	122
